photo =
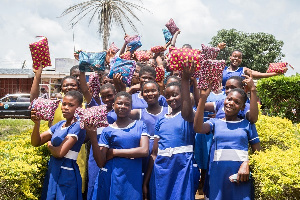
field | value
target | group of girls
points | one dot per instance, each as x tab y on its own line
147	150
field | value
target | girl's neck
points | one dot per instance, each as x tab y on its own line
154	108
69	122
108	109
233	68
231	118
122	122
175	111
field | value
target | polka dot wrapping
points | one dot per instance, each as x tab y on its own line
142	56
124	67
158	49
277	67
171	26
45	108
211	72
92	61
160	74
96	115
94	84
113	48
210	52
40	53
178	56
126	55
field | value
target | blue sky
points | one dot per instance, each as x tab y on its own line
199	20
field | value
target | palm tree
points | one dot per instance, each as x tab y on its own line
107	12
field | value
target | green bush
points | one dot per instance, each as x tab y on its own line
22	166
276	168
281	96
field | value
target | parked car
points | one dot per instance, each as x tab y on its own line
15	106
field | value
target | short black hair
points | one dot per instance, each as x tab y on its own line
242	93
188	46
148	69
76	95
75	67
174	77
178	84
237	78
125	94
69	77
157	86
106	86
237	51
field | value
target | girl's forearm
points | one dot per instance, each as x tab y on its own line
35	136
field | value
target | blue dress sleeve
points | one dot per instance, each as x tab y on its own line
104	139
145	130
162	101
75	131
92	103
157	127
219	104
55	126
252	134
211	123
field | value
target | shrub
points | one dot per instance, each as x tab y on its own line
281	96
22	166
276	168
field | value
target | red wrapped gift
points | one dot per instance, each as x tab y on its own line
40	53
158	49
126	55
182	55
45	108
142	56
160	74
211	72
278	67
172	26
210	52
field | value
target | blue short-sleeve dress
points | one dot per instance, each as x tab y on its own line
228	73
229	150
63	180
174	175
138	101
121	178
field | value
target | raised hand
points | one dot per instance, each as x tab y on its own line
188	69
221	45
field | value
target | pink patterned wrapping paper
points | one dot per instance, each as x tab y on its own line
96	115
210	52
211	72
142	56
126	55
113	48
129	39
40	53
278	67
160	74
94	84
172	26
158	49
45	108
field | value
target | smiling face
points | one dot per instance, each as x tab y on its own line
68	106
122	106
107	96
69	85
235	59
146	76
150	93
173	97
231	84
233	103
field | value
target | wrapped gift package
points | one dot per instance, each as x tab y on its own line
211	72
182	55
113	48
134	45
129	39
158	49
126	55
160	74
142	56
94	84
45	108
40	53
278	67
96	115
123	67
210	52
167	35
172	26
92	61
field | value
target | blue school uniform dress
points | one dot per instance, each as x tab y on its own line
174	175
229	150
93	168
203	141
63	180
121	178
228	73
150	121
138	101
220	113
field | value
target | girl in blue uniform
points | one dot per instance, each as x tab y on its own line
173	175
63	180
229	151
118	153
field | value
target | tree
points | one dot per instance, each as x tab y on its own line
107	13
259	49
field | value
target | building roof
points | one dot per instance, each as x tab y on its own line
15	71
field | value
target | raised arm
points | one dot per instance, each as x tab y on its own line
199	126
84	87
61	150
173	42
35	87
187	107
252	115
38	139
258	75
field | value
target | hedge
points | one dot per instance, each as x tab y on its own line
280	96
22	166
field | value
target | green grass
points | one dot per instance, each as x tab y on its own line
14	127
